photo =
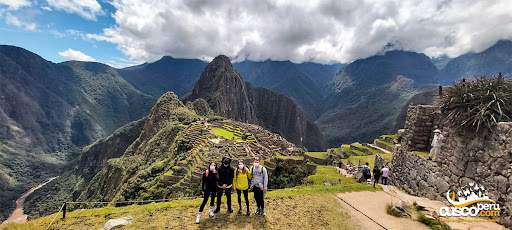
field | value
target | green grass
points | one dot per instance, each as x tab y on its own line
291	157
387	156
370	159
226	134
358	152
391	136
302	207
345	149
320	155
332	175
424	154
374	151
386	143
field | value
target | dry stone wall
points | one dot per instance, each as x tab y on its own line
465	158
421	121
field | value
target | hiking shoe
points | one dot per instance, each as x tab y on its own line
239	211
248	213
257	211
230	210
263	213
216	211
210	212
198	218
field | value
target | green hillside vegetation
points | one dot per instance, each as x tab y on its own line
386	143
302	207
320	155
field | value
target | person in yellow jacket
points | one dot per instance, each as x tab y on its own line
241	184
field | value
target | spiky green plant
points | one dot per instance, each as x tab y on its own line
479	104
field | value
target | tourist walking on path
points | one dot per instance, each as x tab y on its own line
366	172
259	185
241	185
209	188
226	174
376	175
436	144
385	175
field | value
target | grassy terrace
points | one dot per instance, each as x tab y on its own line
302	207
391	136
374	151
386	143
320	155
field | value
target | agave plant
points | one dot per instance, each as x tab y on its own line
479	104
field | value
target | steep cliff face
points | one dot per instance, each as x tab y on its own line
229	96
224	90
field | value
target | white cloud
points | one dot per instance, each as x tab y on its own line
87	9
47	8
76	55
316	30
15	4
120	63
15	21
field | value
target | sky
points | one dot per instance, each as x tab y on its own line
128	32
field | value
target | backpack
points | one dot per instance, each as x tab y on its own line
366	170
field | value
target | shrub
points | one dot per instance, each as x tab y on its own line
432	223
478	105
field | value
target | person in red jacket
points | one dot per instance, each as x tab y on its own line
209	188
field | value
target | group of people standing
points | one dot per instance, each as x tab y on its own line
377	174
220	180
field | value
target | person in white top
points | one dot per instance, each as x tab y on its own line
436	144
385	174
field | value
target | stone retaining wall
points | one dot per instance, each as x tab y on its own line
421	121
482	158
316	160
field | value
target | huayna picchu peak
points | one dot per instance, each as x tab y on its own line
229	96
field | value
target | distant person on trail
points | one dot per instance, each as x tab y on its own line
366	172
436	145
209	188
226	175
385	175
241	185
259	185
376	175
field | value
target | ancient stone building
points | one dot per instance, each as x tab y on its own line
482	158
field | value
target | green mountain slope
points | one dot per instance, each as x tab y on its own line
49	111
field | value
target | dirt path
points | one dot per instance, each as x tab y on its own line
373	204
17	216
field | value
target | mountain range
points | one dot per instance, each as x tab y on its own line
50	113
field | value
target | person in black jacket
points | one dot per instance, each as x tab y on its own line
226	174
209	188
376	175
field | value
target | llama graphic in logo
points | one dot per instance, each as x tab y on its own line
469	194
470	200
